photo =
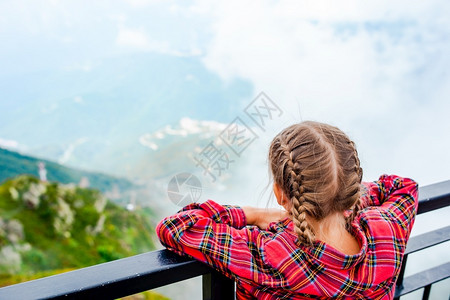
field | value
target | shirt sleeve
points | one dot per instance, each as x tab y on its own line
396	196
217	235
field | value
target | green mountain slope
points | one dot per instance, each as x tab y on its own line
13	164
47	225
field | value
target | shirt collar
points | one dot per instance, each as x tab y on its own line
329	256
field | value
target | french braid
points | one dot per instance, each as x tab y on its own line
357	184
304	231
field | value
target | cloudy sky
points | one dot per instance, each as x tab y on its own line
378	69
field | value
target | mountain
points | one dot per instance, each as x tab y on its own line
146	193
93	119
13	164
170	150
174	149
50	226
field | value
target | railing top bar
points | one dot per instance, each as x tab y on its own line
434	196
422	279
428	239
118	278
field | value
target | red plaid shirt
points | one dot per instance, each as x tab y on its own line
267	264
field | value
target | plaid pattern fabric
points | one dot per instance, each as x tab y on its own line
267	264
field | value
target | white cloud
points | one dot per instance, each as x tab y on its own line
8	144
78	99
143	3
83	66
185	127
146	140
133	38
50	108
191	78
377	70
67	154
137	39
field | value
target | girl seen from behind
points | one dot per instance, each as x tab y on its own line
336	237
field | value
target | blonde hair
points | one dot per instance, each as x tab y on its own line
317	167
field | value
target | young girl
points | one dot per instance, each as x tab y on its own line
335	238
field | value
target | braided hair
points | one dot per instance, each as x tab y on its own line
317	167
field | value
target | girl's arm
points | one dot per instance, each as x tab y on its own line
262	217
217	235
397	196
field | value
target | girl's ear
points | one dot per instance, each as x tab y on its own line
279	194
282	199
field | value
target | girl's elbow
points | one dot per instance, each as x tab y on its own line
163	230
159	227
170	229
414	189
410	183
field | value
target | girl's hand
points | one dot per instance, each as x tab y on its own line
262	217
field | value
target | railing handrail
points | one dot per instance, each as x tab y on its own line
434	196
110	280
146	271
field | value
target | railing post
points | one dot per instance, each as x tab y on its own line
401	275
217	287
426	292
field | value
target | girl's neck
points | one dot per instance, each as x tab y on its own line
331	230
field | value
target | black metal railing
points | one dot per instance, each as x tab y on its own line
431	197
158	268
